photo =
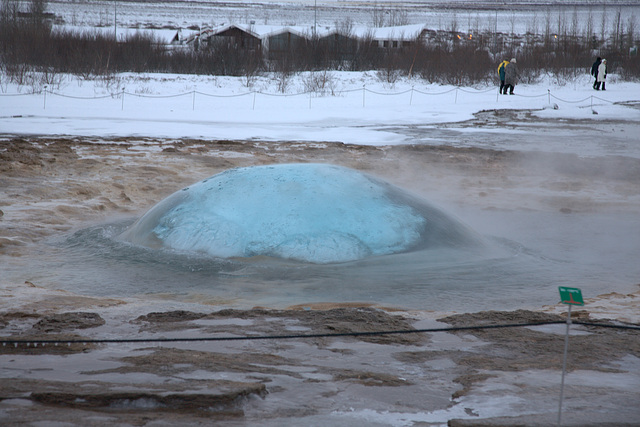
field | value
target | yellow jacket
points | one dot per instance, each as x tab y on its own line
501	68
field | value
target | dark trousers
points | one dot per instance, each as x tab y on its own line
597	85
508	88
501	85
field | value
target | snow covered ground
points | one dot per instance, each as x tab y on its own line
356	108
119	153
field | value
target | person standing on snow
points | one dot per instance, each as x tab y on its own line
594	71
511	75
602	75
501	70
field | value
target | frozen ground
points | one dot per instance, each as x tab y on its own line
563	183
354	108
164	18
517	171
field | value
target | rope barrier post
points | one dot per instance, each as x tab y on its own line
456	100
363	91
193	101
411	97
253	107
122	106
569	296
591	102
44	106
309	100
564	365
549	95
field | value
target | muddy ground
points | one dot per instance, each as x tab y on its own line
50	186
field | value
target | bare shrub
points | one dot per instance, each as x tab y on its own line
397	17
320	82
464	65
377	16
32	54
111	83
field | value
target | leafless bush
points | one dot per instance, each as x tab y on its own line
377	16
283	79
110	82
33	54
397	17
464	65
320	82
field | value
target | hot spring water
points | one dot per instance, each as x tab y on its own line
292	234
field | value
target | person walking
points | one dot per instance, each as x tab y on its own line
602	75
594	71
501	71
511	75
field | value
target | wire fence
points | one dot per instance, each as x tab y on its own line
24	343
408	96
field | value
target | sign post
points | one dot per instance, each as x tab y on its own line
571	297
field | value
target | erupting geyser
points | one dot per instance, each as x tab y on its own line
309	212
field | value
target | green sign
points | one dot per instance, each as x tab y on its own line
571	296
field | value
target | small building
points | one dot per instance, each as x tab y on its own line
337	45
237	36
283	41
397	37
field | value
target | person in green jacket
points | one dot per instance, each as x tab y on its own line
501	69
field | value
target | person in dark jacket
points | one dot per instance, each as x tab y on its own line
501	69
511	75
594	71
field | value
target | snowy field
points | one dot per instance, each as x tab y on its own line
357	108
515	17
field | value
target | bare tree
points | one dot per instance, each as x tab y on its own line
588	32
398	17
631	30
573	31
617	28
9	11
345	26
547	27
38	7
377	16
603	25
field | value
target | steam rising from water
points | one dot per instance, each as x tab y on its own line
308	212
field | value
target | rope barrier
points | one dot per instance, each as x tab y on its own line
117	94
20	94
62	95
388	94
530	96
475	91
437	93
570	102
157	96
282	94
602	99
350	90
224	96
307	336
121	95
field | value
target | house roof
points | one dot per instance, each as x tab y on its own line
403	32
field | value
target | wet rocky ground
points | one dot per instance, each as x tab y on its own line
507	376
249	367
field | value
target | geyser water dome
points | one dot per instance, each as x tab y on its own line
309	212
